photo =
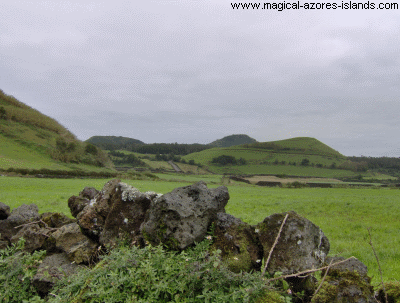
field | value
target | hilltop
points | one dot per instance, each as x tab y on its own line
113	142
232	140
32	140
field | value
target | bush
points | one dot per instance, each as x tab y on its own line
305	162
3	113
91	149
228	160
17	269
152	274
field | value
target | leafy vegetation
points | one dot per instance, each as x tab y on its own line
131	274
16	272
228	160
385	165
123	159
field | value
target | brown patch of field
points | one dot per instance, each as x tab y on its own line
256	179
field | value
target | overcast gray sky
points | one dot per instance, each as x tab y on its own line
191	71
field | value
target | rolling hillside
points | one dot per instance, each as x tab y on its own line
297	156
31	140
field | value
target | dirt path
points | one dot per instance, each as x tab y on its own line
256	179
175	167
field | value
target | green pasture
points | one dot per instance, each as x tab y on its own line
302	171
344	214
16	155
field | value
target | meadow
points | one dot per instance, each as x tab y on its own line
344	214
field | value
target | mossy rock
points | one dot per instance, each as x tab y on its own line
56	220
393	292
238	242
301	245
346	283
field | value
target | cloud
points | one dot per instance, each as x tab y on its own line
194	71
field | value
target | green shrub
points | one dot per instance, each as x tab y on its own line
228	160
152	274
91	149
17	269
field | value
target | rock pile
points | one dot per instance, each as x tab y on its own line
177	220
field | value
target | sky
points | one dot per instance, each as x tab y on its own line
193	71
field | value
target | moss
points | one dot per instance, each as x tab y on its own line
327	293
334	288
392	290
270	296
234	244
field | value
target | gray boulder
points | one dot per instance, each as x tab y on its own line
24	214
77	246
35	237
301	245
76	204
127	213
182	217
89	193
238	242
19	216
346	282
91	214
116	212
52	268
4	211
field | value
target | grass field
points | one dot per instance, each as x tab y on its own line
343	214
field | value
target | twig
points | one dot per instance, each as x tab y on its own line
326	273
323	278
379	266
36	222
307	271
40	221
273	246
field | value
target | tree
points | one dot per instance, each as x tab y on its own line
91	149
305	162
3	113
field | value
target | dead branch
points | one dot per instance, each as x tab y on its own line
379	266
308	271
36	222
323	278
276	241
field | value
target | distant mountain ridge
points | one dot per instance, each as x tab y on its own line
130	144
117	140
232	140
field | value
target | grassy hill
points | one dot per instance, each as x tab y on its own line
31	140
298	156
232	140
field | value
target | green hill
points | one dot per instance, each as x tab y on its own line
31	140
297	156
232	140
300	145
